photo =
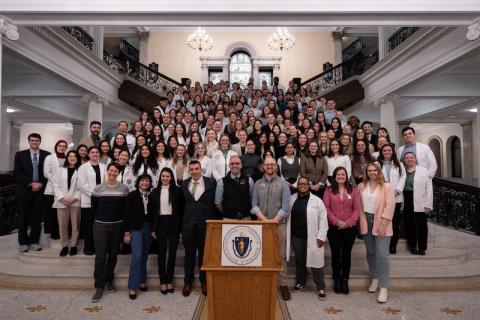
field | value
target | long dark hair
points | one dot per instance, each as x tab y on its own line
66	164
395	160
150	163
172	187
334	186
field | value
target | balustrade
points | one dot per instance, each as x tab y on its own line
81	36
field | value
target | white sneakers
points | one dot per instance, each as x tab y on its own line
382	295
373	286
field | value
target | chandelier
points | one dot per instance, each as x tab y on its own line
200	40
281	40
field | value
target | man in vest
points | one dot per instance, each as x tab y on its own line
234	192
271	202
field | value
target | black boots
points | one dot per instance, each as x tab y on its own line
344	286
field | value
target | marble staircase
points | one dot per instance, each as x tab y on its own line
444	267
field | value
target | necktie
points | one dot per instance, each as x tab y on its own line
35	176
194	189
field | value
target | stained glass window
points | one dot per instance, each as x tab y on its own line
240	68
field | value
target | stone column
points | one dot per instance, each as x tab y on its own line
255	71
143	47
383	34
467	151
276	70
225	71
16	126
337	47
8	32
95	110
204	72
78	131
387	116
97	34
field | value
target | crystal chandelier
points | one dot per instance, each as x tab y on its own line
200	40
281	40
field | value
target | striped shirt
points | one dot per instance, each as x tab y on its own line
108	202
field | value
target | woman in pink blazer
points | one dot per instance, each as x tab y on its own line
376	213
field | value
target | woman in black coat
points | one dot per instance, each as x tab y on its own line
166	211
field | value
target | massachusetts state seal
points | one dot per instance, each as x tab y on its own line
242	245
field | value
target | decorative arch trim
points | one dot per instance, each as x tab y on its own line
240	46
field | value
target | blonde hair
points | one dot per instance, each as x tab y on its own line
380	178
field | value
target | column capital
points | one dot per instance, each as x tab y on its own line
466	123
91	97
8	29
473	31
77	123
143	35
388	98
337	35
17	124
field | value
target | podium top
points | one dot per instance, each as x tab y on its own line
240	222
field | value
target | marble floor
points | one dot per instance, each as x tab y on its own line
75	304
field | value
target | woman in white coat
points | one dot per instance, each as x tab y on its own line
90	174
394	172
67	202
205	162
126	174
51	167
307	227
418	202
221	158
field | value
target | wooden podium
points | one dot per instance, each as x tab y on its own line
242	292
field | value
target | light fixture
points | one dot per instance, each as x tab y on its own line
281	40
200	40
473	110
11	110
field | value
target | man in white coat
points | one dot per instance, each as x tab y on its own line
307	227
424	154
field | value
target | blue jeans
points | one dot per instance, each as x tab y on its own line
140	242
377	255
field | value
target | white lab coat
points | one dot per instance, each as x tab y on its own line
61	190
86	182
396	180
317	227
422	190
51	168
220	164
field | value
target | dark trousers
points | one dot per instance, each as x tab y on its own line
300	248
107	243
194	240
341	243
87	229
416	229
396	226
167	240
30	212
50	219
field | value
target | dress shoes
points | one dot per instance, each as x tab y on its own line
382	295
285	293
344	287
337	288
187	289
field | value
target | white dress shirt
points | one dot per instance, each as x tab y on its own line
200	188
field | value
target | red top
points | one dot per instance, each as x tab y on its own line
346	208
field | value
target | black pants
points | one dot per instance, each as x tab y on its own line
167	240
300	248
30	213
107	243
396	226
87	229
50	218
416	229
341	243
194	240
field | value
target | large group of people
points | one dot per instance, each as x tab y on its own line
225	151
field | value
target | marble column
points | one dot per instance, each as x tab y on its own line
95	110
387	116
255	72
97	34
467	151
78	131
337	47
16	126
143	47
383	34
204	73
225	72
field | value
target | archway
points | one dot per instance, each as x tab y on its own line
435	144
456	157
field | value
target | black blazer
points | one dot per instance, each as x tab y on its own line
23	170
177	208
197	212
134	212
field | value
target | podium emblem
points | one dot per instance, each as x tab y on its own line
242	245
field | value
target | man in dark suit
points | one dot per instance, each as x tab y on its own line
367	127
28	170
199	193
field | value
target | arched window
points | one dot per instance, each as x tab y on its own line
436	147
240	67
456	156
